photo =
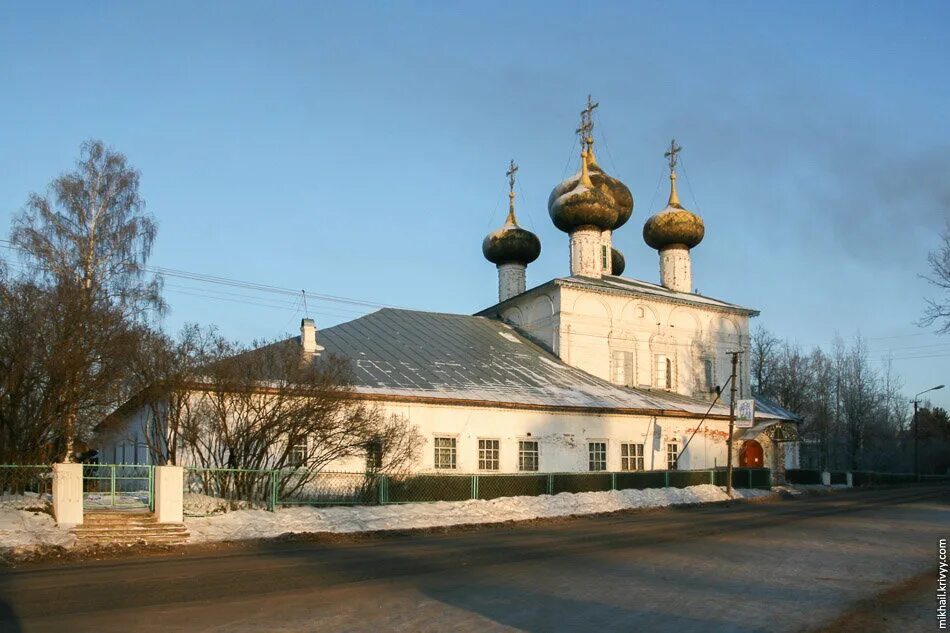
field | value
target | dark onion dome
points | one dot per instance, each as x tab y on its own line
511	244
617	262
674	225
616	191
581	204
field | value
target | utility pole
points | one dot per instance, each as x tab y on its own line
732	422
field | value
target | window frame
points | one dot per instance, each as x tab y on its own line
633	457
449	451
672	451
604	262
295	459
592	456
523	453
487	461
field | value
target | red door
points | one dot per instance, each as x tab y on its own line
750	456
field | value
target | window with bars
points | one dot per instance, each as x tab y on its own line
527	455
445	453
488	454
672	452
597	456
631	456
297	456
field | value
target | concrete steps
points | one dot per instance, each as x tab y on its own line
127	528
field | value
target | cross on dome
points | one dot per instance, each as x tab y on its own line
671	154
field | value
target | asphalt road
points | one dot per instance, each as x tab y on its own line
851	561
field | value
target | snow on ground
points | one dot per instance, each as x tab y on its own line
248	524
25	523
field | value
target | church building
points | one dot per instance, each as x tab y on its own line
593	371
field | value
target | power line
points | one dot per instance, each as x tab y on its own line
242	284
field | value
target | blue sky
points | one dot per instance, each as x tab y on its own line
359	149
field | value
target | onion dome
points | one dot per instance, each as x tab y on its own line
617	262
577	202
674	225
617	192
511	244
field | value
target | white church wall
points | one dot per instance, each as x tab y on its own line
562	438
683	348
536	316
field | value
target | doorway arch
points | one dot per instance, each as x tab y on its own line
751	455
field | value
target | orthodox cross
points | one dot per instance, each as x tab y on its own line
512	168
586	129
671	154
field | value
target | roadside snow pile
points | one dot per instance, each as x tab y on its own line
249	524
25	523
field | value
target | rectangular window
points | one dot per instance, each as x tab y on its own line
672	452
664	372
631	457
527	455
445	453
297	456
624	368
603	256
488	454
374	455
597	456
709	376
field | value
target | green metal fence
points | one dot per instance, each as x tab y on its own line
18	480
211	491
118	486
214	490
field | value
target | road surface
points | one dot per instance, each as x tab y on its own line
854	561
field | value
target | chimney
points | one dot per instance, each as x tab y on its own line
308	337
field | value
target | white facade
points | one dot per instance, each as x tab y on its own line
645	341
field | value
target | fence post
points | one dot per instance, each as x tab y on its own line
712	477
273	491
613	481
151	488
474	486
666	478
750	478
551	484
112	479
383	493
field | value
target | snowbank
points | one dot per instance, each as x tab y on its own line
248	524
25	524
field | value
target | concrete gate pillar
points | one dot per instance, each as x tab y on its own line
169	494
67	494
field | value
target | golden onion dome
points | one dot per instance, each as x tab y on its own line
617	262
511	244
674	225
578	202
617	192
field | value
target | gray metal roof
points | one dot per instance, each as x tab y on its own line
460	357
768	410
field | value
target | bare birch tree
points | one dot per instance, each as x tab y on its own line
87	241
